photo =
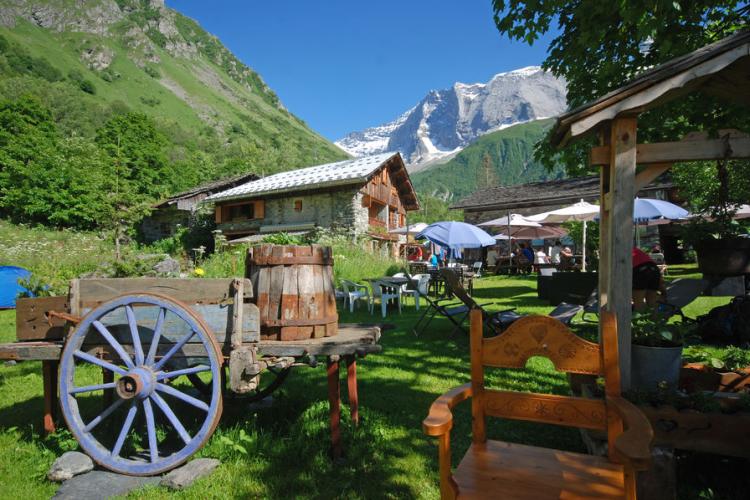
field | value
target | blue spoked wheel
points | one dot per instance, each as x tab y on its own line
147	417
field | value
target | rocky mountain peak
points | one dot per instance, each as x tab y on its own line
447	120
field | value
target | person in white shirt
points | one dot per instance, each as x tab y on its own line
541	257
554	253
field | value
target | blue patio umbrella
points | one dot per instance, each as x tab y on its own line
646	209
456	235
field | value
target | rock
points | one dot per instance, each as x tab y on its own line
10	362
167	266
188	473
70	464
100	485
97	58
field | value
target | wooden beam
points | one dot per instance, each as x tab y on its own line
680	151
604	208
649	174
620	234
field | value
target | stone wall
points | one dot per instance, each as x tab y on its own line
163	222
334	209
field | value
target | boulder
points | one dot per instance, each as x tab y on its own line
100	485
167	266
70	464
185	476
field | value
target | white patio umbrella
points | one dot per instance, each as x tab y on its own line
581	211
508	222
410	228
533	233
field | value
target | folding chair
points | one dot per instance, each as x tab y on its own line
680	293
455	312
564	313
454	287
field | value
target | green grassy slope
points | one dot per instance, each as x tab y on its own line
202	93
510	152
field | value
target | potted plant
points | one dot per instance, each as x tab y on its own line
715	192
657	351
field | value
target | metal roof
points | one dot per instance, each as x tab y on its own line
539	194
339	173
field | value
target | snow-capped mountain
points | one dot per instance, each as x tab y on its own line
447	120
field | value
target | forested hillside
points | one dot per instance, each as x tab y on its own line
505	157
105	106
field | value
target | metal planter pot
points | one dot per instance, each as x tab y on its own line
654	365
725	257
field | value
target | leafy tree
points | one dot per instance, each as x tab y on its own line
601	45
44	178
139	149
434	210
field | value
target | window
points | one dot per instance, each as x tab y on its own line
297	205
242	212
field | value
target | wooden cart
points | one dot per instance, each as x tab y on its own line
140	367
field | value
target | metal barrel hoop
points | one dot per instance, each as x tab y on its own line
140	388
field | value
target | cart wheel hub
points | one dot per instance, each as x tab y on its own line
139	382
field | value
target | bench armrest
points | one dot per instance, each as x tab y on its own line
440	419
634	445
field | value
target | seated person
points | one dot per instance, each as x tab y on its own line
566	258
554	253
541	257
434	262
527	252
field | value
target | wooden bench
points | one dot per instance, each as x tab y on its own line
496	469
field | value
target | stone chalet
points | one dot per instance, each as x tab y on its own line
368	195
181	208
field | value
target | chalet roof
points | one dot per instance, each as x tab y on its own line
720	68
538	194
209	187
341	173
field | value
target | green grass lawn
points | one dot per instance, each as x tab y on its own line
283	451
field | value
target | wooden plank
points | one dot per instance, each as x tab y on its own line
218	318
289	301
330	298
604	224
476	328
305	290
546	408
352	339
649	174
32	322
679	151
276	286
620	235
319	301
93	292
237	310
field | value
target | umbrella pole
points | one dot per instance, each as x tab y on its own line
583	264
510	258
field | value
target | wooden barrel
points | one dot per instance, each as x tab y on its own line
294	291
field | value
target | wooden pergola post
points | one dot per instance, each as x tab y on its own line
616	235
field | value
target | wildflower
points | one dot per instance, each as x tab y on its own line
199	272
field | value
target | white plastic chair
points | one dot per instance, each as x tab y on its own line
354	292
413	289
477	268
386	292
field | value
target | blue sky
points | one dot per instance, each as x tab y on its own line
347	65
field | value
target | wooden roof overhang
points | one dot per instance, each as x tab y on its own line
401	180
721	69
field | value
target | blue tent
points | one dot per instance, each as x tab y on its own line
9	287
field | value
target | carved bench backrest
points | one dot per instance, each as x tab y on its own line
541	336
